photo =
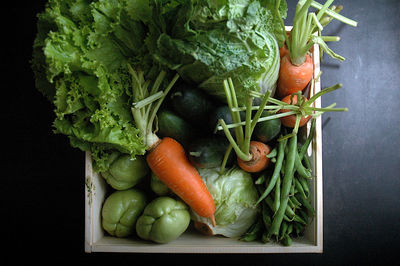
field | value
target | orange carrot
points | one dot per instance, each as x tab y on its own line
166	157
169	163
294	78
296	66
259	160
290	121
251	155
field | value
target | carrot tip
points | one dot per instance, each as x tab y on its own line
212	218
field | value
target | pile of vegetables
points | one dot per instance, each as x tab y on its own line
188	110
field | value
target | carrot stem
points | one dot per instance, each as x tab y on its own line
259	111
330	38
158	104
225	160
228	93
267	107
248	126
239	152
235	115
327	109
335	15
148	100
287	42
265	118
322	92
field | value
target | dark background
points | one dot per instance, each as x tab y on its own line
43	207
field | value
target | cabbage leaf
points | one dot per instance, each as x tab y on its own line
235	197
209	41
82	49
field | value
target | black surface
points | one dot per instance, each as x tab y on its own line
43	207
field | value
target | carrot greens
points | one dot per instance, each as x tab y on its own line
305	24
301	108
147	101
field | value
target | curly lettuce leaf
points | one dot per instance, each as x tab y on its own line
79	59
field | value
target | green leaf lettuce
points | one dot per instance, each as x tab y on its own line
79	60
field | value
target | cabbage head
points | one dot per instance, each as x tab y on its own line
235	197
209	41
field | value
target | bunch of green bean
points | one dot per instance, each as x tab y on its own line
284	194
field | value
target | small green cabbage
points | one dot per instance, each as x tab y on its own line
235	197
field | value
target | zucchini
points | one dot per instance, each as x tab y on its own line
173	126
192	104
267	130
208	152
223	112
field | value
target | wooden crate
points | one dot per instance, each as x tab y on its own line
193	242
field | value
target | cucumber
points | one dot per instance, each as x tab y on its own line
192	104
209	152
173	126
223	112
267	130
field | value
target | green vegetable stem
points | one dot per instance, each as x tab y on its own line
302	107
242	144
305	24
147	102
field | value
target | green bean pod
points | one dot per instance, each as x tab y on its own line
304	147
301	170
286	185
304	215
277	194
292	189
298	228
306	162
299	187
298	219
305	186
277	170
253	233
260	180
266	215
283	229
290	229
287	241
272	153
264	237
295	201
305	203
291	203
289	213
